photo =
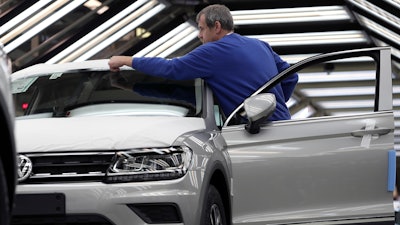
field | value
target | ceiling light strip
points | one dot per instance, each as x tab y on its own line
350	104
378	12
339	91
120	25
42	25
178	45
94	33
22	16
396	102
306	112
163	39
292	59
379	29
32	21
322	77
172	42
313	38
125	29
290	15
394	3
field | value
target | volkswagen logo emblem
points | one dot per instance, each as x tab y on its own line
24	168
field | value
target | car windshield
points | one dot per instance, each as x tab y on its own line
88	93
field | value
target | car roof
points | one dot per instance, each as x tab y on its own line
43	68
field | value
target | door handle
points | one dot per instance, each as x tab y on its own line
375	131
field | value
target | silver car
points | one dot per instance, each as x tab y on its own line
97	147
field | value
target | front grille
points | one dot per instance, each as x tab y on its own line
69	167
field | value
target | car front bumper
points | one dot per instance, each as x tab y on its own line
172	202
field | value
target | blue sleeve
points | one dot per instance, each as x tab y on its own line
288	85
189	66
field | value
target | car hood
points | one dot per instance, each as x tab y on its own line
101	132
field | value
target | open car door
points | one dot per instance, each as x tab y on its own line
323	168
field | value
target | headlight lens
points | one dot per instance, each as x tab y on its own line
149	164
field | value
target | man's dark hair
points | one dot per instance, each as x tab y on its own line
215	13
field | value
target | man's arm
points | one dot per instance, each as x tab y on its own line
288	84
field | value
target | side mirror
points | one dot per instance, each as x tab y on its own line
258	108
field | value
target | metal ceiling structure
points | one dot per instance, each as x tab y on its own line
49	31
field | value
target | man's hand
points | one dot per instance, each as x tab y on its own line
116	62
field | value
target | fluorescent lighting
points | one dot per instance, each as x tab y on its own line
304	113
336	92
350	104
31	21
22	16
292	59
291	102
42	25
146	51
290	15
397	114
179	44
322	77
96	32
384	15
94	4
396	89
313	38
170	42
396	102
94	47
379	29
110	24
394	3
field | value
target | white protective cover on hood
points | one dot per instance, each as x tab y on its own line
101	132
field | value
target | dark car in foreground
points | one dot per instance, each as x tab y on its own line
8	156
97	147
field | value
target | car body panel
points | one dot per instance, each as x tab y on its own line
296	172
113	132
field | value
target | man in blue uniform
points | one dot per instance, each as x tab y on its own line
234	66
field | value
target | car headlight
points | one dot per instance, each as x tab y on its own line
149	164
